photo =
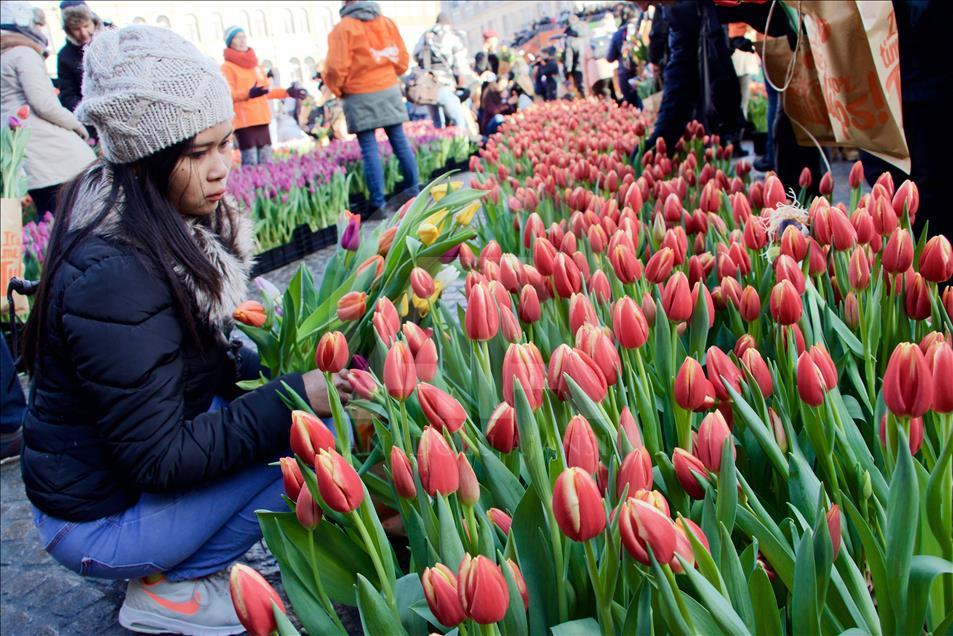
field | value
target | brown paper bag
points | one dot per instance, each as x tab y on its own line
847	67
11	253
651	105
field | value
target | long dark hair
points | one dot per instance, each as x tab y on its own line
148	221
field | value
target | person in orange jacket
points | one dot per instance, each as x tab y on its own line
250	94
366	56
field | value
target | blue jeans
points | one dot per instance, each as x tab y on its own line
448	110
773	98
374	170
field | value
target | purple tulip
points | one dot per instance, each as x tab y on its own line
351	237
360	363
13	122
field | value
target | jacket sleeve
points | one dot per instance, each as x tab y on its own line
238	94
403	58
137	391
278	93
69	83
615	45
40	95
681	72
338	62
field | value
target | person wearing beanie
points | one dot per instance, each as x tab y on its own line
56	149
142	458
366	56
251	91
80	24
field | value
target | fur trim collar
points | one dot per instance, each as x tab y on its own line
10	39
230	251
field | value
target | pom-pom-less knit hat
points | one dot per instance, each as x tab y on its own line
230	34
146	88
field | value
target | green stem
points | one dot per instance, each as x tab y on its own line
405	426
558	556
376	560
322	595
603	608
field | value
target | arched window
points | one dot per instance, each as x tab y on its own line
193	32
296	71
261	23
269	66
304	21
310	67
218	25
244	21
288	21
138	20
163	21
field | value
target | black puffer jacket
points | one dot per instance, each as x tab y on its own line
69	74
120	395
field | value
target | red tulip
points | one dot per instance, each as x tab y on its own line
529	308
898	252
307	512
833	526
482	589
580	445
856	176
436	464
440	408
936	260
756	366
811	385
500	519
291	476
253	598
908	382
469	492
858	269
710	441
941	367
686	465
250	313
755	236
442	594
425	360
577	505
851	311
581	312
659	267
519	581
351	306
544	256
629	324
400	374
823	360
629	428
482	314
309	435
693	391
332	353
907	196
773	192
720	366
677	298
338	482
642	526
402	473
916	433
365	386
793	243
386	321
635	473
826	186
750	305
683	546
625	264
523	362
579	366
501	431
785	305
917	299
566	277
511	273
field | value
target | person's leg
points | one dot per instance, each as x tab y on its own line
452	108
435	115
264	154
249	156
405	156
12	404
493	124
373	170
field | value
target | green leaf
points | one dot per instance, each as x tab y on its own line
668	606
776	553
451	547
409	591
531	446
923	570
285	628
875	560
767	619
903	502
761	431
377	616
727	501
734	577
504	485
536	562
721	610
702	619
594	413
581	627
804	609
514	622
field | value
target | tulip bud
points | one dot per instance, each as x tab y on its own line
750	305
710	441
898	252
826	186
851	311
529	308
400	374
660	265
693	391
580	445
908	382
683	546
833	526
858	269
425	360
917	299
720	366
523	362
351	236
307	512
785	305
677	298
482	314
577	505
351	306
338	482
469	492
421	282
500	519
635	473
936	260
823	360
940	360
332	353
386	321
581	312
254	598
402	474
811	385
916	433
466	257
856	176
291	476
566	277
253	314
758	368
441	592
773	192
482	589
309	435
386	240
777	428
440	408
629	324
520	582
686	465
501	431
642	526
436	464
581	368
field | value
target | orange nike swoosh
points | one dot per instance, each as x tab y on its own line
188	607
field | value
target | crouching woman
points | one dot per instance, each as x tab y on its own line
142	460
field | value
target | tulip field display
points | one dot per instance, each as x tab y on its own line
309	185
676	401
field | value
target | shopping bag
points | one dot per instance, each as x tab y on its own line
11	254
650	106
844	87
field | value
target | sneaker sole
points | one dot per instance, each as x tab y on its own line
145	622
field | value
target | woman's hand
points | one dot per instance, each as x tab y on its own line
317	391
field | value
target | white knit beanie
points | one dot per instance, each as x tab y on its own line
146	88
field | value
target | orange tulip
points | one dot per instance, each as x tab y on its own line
351	306
251	313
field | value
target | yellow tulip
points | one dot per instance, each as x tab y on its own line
422	305
465	215
438	191
455	185
430	227
403	307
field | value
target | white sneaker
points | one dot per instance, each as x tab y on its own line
198	607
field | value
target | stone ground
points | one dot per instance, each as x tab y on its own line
39	597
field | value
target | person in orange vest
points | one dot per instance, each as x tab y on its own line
251	91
